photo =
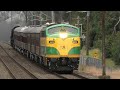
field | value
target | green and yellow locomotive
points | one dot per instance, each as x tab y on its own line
56	46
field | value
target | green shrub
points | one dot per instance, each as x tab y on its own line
115	49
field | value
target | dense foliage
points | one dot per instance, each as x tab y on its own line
112	40
115	48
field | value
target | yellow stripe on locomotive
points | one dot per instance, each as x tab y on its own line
63	47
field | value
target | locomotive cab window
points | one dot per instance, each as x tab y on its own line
61	29
54	30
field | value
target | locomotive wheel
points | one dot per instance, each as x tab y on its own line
40	60
23	52
75	66
27	54
49	64
36	58
30	56
33	57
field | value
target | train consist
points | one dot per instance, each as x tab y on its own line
56	46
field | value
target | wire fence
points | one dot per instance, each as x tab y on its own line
93	66
97	63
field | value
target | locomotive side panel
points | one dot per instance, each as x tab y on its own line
29	40
33	43
37	43
42	43
18	44
15	41
22	41
26	42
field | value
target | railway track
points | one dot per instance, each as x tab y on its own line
42	67
72	76
10	72
61	76
64	76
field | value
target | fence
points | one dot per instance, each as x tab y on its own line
89	61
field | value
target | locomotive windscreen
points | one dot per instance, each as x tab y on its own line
62	29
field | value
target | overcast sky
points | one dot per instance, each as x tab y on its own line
5	27
4	31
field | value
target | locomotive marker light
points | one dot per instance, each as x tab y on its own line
63	35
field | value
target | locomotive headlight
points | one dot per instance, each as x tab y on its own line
63	35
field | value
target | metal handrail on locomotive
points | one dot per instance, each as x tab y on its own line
56	46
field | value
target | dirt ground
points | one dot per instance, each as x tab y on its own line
114	74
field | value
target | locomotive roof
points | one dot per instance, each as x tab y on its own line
38	29
29	29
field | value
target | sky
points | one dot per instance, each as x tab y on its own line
4	31
6	26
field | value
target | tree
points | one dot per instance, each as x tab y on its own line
115	48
